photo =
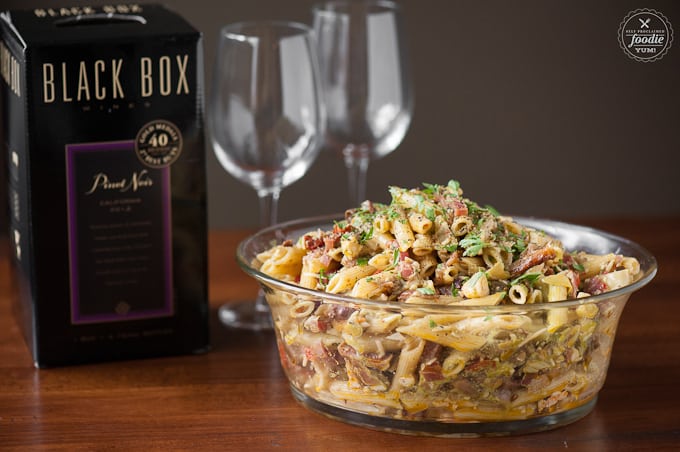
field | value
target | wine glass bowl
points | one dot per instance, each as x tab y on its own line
365	76
266	120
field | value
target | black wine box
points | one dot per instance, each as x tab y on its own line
102	130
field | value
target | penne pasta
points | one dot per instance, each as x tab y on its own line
345	279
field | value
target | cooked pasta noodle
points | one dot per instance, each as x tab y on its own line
518	293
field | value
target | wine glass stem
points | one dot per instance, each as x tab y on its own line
269	207
357	168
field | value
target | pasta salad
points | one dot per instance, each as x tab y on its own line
432	245
427	251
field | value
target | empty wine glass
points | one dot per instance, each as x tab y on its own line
266	121
364	72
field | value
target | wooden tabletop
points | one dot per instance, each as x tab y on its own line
236	397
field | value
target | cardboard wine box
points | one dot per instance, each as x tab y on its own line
103	134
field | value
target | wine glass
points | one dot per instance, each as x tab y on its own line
365	76
266	121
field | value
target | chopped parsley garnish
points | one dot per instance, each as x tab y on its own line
433	324
362	261
392	213
578	267
519	244
425	290
395	257
473	245
528	278
473	207
451	248
430	189
492	210
366	235
323	278
429	213
454	185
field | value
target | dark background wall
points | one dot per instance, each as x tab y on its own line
531	105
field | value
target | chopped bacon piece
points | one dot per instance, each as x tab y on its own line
594	285
312	243
431	371
323	360
481	364
450	203
331	241
530	258
407	268
362	368
368	205
459	208
406	272
339	312
575	280
431	368
430	351
325	260
338	230
405	295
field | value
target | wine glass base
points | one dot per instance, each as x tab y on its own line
246	316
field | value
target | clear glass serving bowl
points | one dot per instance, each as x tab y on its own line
505	369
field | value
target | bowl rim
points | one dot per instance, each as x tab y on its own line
316	222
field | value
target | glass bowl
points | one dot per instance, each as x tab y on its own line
504	369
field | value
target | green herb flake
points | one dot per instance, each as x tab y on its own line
454	185
430	214
528	278
366	235
323	278
578	267
451	248
430	189
433	324
362	261
473	245
492	210
392	213
395	257
426	291
519	246
473	207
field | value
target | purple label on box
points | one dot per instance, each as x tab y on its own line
120	249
